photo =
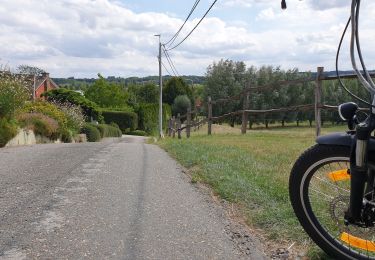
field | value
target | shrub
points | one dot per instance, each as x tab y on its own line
50	110
74	115
62	95
181	105
8	130
92	133
41	124
137	132
124	119
148	117
109	131
67	136
13	93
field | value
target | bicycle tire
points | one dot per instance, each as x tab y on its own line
322	217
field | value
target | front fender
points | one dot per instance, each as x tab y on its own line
343	139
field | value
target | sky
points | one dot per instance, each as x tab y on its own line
82	38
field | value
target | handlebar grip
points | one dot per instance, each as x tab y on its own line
283	4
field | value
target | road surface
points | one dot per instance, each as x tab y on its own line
118	199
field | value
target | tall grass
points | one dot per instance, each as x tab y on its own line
251	170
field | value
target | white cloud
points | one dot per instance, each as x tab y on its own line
83	37
238	3
324	4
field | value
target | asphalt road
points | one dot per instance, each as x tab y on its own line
118	199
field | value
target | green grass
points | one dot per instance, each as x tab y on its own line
251	170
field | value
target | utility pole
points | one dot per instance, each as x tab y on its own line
161	134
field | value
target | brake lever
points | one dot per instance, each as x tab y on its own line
283	4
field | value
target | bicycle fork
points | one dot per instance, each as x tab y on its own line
359	173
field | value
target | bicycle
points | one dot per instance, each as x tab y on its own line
332	184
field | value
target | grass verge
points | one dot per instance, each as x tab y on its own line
252	171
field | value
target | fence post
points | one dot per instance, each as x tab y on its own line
188	122
244	113
179	126
173	126
318	100
209	115
170	127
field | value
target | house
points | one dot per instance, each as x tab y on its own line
36	85
41	84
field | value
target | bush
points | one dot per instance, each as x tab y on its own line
50	110
137	132
62	95
13	93
109	131
8	130
67	136
181	105
74	115
92	133
41	124
124	119
148	117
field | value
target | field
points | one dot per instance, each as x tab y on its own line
251	171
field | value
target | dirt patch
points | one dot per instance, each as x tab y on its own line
244	235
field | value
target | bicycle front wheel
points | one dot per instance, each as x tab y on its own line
319	188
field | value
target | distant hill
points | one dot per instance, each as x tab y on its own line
74	83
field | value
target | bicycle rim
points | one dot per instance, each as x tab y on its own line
326	193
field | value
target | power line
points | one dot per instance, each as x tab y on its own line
166	68
171	64
171	41
209	9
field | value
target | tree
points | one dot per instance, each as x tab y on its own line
224	79
176	86
30	70
148	93
107	94
181	104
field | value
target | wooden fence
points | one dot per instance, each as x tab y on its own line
192	121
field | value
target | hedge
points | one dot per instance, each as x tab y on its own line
137	132
92	133
149	117
124	119
108	131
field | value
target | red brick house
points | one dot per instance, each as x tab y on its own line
41	84
36	85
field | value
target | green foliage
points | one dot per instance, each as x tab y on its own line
8	130
74	115
62	95
67	136
174	87
92	133
148	117
50	110
124	119
40	123
137	132
83	84
107	94
181	105
109	130
13	94
148	93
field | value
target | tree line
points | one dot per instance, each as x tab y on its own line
228	78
